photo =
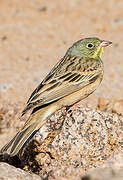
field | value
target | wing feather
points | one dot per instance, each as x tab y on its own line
62	81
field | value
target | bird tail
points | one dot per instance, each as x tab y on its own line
33	124
19	141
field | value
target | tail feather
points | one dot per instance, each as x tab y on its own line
19	141
36	120
6	148
22	139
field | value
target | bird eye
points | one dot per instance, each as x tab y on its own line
90	45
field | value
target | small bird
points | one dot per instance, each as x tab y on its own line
73	78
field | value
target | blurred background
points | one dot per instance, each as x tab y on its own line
35	34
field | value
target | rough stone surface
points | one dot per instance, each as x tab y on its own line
8	172
111	105
111	170
115	162
104	174
88	139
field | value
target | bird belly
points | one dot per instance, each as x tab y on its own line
81	94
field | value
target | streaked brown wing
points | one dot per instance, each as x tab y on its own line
63	80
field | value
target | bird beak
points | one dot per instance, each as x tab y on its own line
105	43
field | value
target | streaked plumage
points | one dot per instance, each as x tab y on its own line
72	79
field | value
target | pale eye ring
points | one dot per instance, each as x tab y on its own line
90	45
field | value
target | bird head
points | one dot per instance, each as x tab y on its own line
88	47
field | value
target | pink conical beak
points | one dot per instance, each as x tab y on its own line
105	43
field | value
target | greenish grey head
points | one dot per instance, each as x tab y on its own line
89	47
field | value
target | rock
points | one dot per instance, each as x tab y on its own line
115	162
8	172
112	169
118	106
104	174
88	138
111	105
